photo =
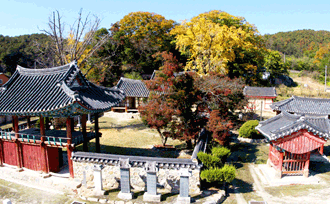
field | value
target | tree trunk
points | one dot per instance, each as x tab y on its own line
189	144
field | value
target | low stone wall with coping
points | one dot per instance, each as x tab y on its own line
168	174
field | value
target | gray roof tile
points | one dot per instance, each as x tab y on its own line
133	88
285	123
40	91
251	91
301	105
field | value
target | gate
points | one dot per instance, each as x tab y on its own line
295	163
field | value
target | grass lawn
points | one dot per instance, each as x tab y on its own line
131	137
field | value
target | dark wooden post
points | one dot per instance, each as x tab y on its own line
43	146
69	147
28	118
97	134
84	132
47	123
17	143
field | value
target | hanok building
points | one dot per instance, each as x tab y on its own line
51	92
302	105
135	91
260	98
292	140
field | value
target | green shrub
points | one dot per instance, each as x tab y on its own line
247	130
219	175
221	152
209	161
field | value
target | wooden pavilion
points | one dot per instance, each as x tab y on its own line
50	92
292	140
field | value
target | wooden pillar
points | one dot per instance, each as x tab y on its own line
306	169
28	118
84	132
47	123
279	168
17	143
322	149
126	104
43	146
1	153
15	125
269	161
69	147
97	134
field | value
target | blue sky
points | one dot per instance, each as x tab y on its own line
18	17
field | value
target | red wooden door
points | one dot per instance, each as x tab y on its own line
32	157
9	153
54	159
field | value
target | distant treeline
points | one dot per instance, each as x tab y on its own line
298	43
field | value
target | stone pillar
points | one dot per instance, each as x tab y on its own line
125	187
98	180
151	194
184	186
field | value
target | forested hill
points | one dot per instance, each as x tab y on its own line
298	43
22	50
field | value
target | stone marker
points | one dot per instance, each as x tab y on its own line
184	186
151	194
98	180
125	187
84	182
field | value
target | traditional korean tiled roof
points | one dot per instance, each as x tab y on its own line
133	88
260	92
58	91
285	124
301	105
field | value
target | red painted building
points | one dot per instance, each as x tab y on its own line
51	92
292	140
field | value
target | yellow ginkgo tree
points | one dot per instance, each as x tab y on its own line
218	41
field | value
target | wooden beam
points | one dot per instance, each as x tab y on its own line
97	134
69	146
84	132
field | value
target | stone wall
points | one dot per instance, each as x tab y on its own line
168	179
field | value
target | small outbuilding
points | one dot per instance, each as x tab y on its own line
292	139
260	98
135	91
